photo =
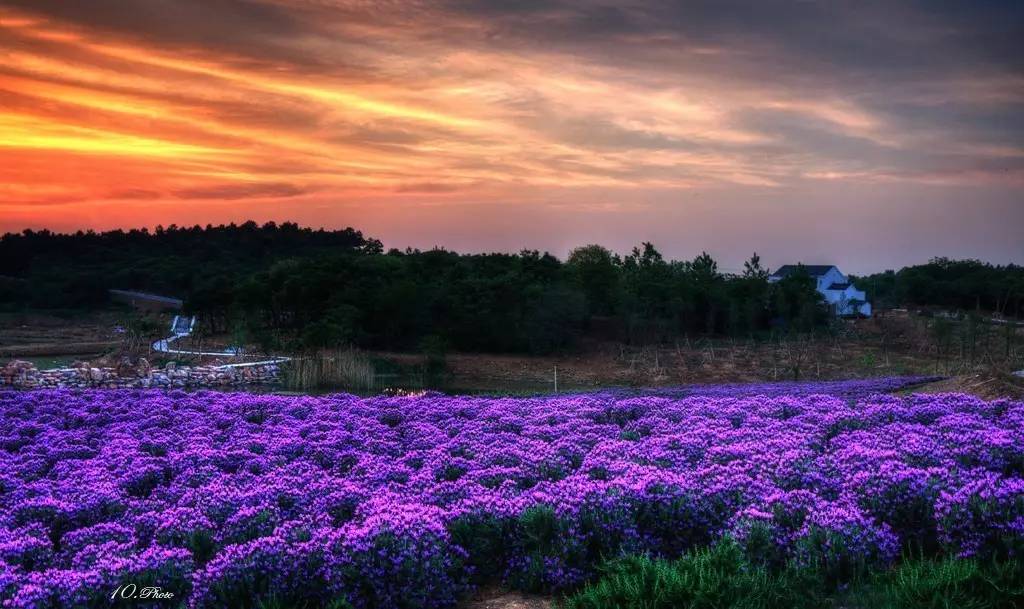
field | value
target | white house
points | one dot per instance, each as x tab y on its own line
841	295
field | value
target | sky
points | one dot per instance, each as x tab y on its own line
865	134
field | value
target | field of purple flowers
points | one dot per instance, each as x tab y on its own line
233	499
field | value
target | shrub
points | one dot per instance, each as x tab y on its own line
947	583
714	577
557	549
721	577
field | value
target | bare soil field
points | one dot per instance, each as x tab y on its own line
893	344
36	334
100	337
862	349
890	344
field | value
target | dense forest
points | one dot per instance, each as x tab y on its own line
958	285
283	286
43	269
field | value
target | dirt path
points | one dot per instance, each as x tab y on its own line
498	598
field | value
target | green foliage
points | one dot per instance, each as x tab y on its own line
952	284
554	549
282	287
539	533
528	302
948	583
411	573
722	577
710	578
798	302
485	538
829	554
337	368
594	270
555	320
338	326
202	545
274	602
752	268
76	270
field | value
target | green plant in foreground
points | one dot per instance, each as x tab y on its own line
952	583
721	577
276	603
708	578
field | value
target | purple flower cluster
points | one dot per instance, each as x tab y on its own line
225	499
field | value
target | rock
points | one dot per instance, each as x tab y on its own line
24	375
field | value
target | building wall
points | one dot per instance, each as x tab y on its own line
837	299
832	276
841	300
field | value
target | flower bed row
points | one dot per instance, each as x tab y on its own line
225	499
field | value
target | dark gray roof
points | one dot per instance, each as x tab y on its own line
814	270
839	286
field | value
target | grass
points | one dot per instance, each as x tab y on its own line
337	368
709	578
720	577
952	583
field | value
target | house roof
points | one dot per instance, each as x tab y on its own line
838	286
814	270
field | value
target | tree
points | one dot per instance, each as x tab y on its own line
752	269
554	320
702	274
648	286
798	304
750	298
595	271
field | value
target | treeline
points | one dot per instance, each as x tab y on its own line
287	287
42	269
961	285
527	302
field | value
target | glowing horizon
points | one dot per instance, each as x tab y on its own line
481	126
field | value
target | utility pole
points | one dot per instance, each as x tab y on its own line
556	378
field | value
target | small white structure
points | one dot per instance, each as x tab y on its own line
841	295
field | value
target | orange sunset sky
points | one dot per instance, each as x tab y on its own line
865	134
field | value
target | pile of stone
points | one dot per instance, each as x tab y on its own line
126	375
